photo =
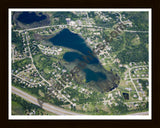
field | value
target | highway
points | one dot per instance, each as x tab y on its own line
45	106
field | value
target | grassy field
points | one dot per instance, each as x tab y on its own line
17	109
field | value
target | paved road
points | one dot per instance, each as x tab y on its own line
136	31
120	18
131	79
46	106
140	113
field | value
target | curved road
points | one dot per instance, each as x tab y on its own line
45	106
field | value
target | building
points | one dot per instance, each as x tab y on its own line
72	23
68	20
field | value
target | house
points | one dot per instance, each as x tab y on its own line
72	23
135	95
109	95
129	89
136	105
120	65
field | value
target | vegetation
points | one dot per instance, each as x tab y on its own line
23	107
127	50
18	41
144	85
122	69
118	44
135	54
18	65
139	20
44	65
39	92
62	17
105	23
120	108
17	109
31	90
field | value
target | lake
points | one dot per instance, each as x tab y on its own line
71	40
30	17
95	76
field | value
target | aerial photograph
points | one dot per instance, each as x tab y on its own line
81	62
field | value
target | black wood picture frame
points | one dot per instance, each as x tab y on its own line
6	4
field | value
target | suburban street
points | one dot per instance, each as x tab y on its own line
131	79
45	106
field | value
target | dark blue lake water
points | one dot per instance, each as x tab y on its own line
95	76
30	17
71	40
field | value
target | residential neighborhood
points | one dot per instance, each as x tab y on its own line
38	64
